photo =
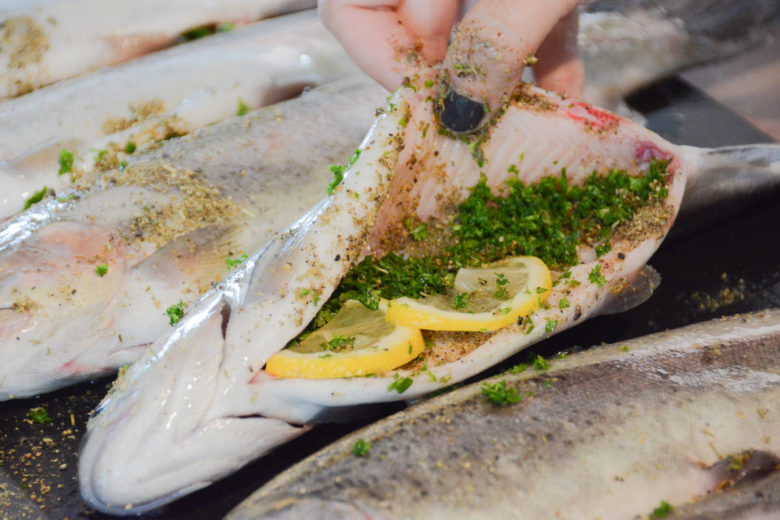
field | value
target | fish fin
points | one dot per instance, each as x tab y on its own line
726	180
625	294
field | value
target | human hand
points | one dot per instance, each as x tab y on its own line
484	62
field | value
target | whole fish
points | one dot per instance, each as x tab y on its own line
86	277
202	385
608	433
190	86
44	41
169	93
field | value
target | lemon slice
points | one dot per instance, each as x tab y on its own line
356	342
481	299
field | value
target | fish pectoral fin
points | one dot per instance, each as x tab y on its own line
631	291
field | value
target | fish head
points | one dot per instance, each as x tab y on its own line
160	434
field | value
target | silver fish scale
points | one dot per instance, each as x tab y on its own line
460	455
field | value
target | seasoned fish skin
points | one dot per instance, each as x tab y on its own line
49	40
60	322
607	433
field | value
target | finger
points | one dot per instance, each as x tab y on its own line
391	39
484	61
559	67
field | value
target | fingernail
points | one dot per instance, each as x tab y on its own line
461	114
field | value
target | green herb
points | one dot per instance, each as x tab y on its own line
130	147
233	262
428	83
338	343
101	270
499	394
338	172
100	155
66	198
602	249
550	325
501	282
66	161
662	510
563	303
400	384
562	355
596	277
541	290
175	312
243	108
122	165
361	448
35	197
197	32
540	363
39	415
624	348
513	169
461	300
518	368
225	27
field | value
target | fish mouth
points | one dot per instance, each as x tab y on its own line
150	444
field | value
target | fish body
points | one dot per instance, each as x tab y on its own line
162	232
607	433
168	93
239	325
45	41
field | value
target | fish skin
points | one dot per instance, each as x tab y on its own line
60	322
188	87
615	433
626	45
65	38
256	327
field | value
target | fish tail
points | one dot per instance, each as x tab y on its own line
728	179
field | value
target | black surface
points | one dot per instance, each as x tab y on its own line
728	268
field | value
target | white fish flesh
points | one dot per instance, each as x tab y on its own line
202	385
609	433
177	90
164	233
44	41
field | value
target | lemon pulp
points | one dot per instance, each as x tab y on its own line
482	299
356	342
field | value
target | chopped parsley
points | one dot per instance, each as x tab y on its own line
540	363
175	312
243	108
338	172
550	325
518	368
418	232
400	384
595	276
101	270
130	147
338	343
563	303
501	282
66	161
461	300
36	197
39	415
361	448
499	394
233	262
100	155
664	509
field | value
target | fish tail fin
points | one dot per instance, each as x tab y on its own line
728	179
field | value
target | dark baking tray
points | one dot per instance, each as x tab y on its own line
730	267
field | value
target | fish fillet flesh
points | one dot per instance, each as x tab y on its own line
164	228
608	433
44	41
203	384
190	86
169	93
